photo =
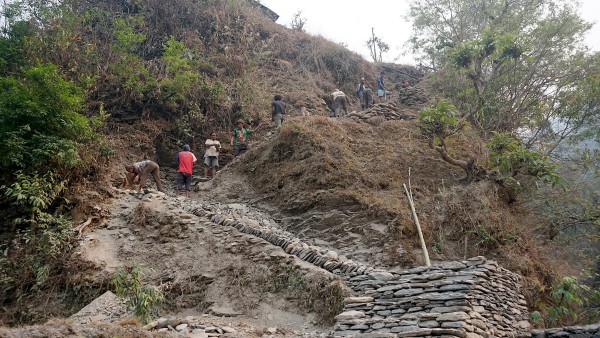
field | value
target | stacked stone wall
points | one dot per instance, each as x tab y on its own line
588	331
472	298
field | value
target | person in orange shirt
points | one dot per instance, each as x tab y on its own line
185	160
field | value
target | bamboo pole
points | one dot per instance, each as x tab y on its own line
414	213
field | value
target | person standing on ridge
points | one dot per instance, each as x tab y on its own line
142	170
360	91
185	161
368	97
381	87
277	111
211	155
239	138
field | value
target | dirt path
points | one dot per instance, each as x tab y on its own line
201	268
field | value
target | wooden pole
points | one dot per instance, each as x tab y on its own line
374	44
414	213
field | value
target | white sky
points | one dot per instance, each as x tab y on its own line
350	22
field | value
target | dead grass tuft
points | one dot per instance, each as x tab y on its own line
140	216
311	291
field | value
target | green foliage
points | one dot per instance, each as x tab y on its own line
498	48
12	47
33	194
40	124
35	255
567	299
566	296
181	78
140	298
128	66
440	120
38	255
377	47
507	65
126	38
511	158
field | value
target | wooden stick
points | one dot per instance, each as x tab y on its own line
466	246
414	213
83	225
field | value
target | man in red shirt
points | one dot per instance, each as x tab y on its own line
185	160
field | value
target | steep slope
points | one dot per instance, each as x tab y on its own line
169	72
338	183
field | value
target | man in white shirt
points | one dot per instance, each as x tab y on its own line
211	155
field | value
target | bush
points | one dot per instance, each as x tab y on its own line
510	158
438	121
40	124
36	252
142	299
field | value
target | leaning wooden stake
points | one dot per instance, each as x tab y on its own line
414	213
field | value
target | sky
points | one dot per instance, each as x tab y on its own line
350	22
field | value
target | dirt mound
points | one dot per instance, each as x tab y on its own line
203	268
338	183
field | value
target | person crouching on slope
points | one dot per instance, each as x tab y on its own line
211	155
185	160
142	170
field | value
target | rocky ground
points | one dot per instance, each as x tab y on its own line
201	268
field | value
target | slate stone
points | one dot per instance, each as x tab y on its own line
381	276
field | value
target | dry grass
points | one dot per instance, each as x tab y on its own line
321	159
309	290
321	163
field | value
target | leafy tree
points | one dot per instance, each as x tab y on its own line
180	77
439	123
12	47
509	65
508	157
566	300
33	194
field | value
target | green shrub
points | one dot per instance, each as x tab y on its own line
37	251
181	79
510	158
40	124
568	298
440	120
140	298
12	54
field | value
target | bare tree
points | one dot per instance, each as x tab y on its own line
377	47
298	22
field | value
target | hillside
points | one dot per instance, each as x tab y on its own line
160	74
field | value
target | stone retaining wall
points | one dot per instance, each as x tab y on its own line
588	331
473	298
